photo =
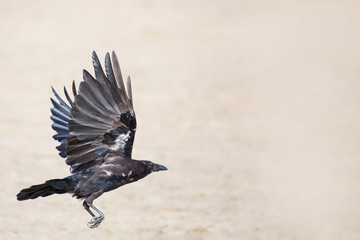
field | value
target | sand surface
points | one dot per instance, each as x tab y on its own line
252	105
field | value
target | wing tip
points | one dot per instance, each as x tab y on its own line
94	58
54	103
113	54
74	88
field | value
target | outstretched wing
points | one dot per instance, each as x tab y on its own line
102	118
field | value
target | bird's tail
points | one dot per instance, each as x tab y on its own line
50	187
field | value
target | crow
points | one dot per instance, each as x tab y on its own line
96	132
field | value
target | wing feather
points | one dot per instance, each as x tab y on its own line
61	117
130	93
105	85
59	120
56	112
111	79
100	120
94	89
119	79
60	128
62	103
102	117
68	97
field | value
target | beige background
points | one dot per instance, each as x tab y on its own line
252	105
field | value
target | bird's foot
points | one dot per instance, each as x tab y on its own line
95	221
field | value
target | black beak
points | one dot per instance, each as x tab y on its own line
158	167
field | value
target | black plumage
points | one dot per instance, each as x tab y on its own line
96	133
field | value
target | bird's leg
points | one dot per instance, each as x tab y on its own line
96	220
86	207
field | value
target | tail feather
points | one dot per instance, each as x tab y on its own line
54	186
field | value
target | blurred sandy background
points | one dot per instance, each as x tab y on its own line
252	105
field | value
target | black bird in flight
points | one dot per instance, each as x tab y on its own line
96	133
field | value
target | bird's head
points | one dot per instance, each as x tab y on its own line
153	167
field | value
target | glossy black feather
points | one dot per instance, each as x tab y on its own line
68	97
60	128
61	136
59	120
60	99
104	84
111	79
61	117
58	113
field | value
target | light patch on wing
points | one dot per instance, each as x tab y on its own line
108	173
120	141
107	165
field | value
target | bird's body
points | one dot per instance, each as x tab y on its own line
96	133
108	177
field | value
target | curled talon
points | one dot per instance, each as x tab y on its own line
95	222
